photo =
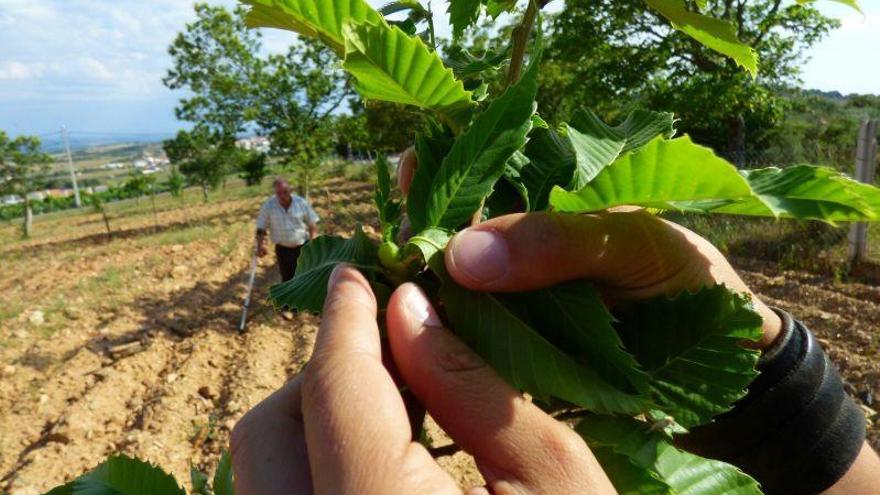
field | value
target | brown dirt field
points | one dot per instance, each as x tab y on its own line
129	344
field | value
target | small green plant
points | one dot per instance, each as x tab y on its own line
99	207
122	475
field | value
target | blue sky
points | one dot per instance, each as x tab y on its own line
96	65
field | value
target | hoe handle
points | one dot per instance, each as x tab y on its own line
250	289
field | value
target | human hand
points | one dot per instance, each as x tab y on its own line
629	254
341	427
261	250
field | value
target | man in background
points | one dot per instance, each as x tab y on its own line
291	222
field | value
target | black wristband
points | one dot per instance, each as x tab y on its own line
796	431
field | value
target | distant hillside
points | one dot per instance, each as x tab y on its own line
869	105
819	127
82	141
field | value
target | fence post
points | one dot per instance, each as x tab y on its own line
866	162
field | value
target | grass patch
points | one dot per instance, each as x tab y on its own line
105	285
229	246
181	236
10	310
55	315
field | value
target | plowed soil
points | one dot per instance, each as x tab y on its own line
129	344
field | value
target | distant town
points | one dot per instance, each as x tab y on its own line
94	175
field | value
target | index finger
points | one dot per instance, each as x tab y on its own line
353	413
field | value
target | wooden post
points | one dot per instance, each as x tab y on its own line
866	162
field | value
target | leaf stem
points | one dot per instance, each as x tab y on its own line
520	38
431	26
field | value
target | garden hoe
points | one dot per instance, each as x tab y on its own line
250	289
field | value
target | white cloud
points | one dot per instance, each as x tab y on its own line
97	69
70	53
18	70
113	49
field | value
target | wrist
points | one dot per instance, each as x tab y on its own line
797	431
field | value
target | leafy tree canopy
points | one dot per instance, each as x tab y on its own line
201	158
630	56
215	58
20	160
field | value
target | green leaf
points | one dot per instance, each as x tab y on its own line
690	346
478	156
638	129
462	15
551	163
524	358
388	209
714	33
321	19
498	7
851	3
122	475
199	481
464	64
512	176
223	476
432	146
401	6
627	476
658	175
507	197
66	489
572	317
596	144
390	65
407	26
804	192
429	244
868	193
308	288
682	472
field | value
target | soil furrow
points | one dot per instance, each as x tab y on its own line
82	435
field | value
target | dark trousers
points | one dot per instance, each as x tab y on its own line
287	257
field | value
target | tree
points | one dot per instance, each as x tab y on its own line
376	126
136	185
391	127
289	97
629	56
296	93
819	128
253	168
176	183
99	207
20	162
200	157
215	59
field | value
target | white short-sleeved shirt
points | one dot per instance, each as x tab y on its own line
287	227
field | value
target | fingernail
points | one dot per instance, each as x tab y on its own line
331	282
419	308
481	255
